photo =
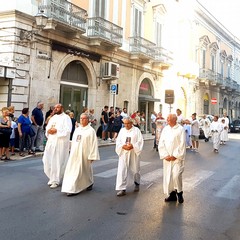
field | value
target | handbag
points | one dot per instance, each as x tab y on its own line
6	131
31	132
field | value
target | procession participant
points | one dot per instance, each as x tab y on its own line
129	145
216	129
172	149
78	175
224	133
205	125
56	151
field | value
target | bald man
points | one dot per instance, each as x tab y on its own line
172	149
56	151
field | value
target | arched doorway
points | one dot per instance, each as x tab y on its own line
146	101
206	104
74	88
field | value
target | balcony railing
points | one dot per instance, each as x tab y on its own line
139	45
100	28
228	82
65	12
219	79
161	54
210	75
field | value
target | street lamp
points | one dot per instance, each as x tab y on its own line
41	21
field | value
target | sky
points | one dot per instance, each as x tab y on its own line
226	12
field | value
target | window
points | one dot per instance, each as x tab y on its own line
158	34
99	8
213	59
137	25
229	70
203	60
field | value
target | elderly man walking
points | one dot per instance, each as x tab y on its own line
84	150
172	149
56	151
129	145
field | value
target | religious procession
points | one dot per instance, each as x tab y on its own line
70	148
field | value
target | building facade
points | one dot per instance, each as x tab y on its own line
125	53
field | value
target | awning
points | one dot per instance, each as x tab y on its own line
147	98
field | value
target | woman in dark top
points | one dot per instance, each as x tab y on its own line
24	125
117	125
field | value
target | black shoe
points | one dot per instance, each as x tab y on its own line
72	194
180	197
137	187
172	197
89	188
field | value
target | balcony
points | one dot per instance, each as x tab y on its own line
163	58
228	83
103	32
141	49
64	16
208	76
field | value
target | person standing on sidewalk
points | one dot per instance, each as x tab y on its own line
172	149
78	175
37	125
129	145
195	132
56	151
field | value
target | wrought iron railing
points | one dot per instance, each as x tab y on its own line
98	27
163	55
219	79
139	45
228	82
66	12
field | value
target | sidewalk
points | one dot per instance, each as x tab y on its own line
101	143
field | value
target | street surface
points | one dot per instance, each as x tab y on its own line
30	210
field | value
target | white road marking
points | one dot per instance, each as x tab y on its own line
231	189
113	172
192	182
153	176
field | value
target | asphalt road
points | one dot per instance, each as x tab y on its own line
30	210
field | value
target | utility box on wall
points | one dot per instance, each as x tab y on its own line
111	70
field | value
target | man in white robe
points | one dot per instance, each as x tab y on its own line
129	145
78	175
216	129
172	149
205	125
56	151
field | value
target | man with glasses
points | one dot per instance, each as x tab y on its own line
129	145
84	150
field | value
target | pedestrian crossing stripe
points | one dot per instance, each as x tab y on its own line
230	190
113	172
191	182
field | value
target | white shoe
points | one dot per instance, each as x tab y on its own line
193	149
109	139
196	150
54	185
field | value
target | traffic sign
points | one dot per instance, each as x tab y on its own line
214	101
113	88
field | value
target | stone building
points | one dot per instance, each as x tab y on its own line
81	51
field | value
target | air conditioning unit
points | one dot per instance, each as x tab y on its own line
111	70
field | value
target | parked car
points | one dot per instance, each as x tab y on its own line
235	126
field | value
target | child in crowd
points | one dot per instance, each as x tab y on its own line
12	137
